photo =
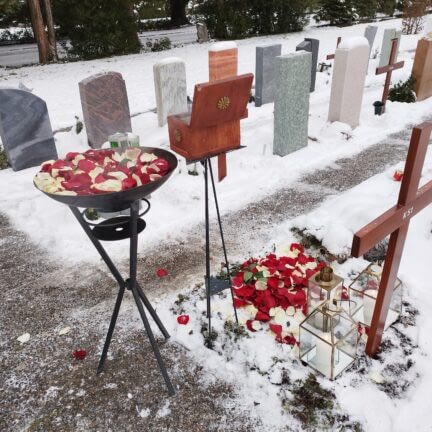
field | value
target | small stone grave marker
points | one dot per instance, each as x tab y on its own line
265	73
105	107
312	46
291	115
170	88
25	129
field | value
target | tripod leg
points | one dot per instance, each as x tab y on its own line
133	287
222	238
152	312
207	232
111	329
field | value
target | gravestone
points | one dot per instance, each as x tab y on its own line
223	60
25	129
291	114
105	107
265	73
369	34
202	33
312	46
170	88
422	69
348	81
223	63
389	35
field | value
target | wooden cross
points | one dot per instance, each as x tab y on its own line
332	56
389	70
395	222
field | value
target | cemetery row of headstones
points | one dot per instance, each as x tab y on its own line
26	131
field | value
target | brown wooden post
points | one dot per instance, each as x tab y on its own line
395	222
51	30
389	70
39	30
332	56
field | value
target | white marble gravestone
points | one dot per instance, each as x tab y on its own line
389	35
291	111
265	73
370	34
350	67
25	129
170	88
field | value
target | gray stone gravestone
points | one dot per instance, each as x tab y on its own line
312	46
291	117
265	73
25	129
369	34
389	34
170	88
105	107
202	33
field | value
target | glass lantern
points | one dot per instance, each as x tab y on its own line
328	340
364	291
324	286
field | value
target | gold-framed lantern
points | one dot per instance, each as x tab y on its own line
323	286
364	291
328	339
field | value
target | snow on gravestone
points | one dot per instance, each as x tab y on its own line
25	129
348	81
312	46
265	73
422	69
223	60
389	35
105	107
170	88
369	34
291	111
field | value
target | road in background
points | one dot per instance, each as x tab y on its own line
27	54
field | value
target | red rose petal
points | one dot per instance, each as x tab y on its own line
79	354
249	325
86	165
238	303
71	156
161	272
128	183
276	329
289	340
183	319
398	175
262	316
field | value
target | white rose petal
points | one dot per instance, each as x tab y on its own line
64	331
290	311
256	325
24	338
251	310
376	377
148	157
119	175
260	286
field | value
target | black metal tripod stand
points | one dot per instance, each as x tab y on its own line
108	230
213	285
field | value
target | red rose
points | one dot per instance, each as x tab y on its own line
79	354
183	319
161	272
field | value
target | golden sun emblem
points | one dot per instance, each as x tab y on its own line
177	135
224	103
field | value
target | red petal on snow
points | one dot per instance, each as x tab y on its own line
276	329
302	259
289	340
297	246
398	174
238	303
297	280
249	325
262	316
183	319
79	354
299	299
161	272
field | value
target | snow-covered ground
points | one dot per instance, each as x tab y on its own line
254	172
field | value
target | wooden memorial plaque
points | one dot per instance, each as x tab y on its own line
208	130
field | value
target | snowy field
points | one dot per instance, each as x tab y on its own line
255	365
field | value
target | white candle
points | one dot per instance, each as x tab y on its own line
323	354
369	300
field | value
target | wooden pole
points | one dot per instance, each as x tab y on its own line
51	30
39	30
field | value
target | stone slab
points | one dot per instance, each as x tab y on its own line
265	73
348	81
105	107
291	117
170	88
422	69
389	35
223	60
370	34
312	46
25	129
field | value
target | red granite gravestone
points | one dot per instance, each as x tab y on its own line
105	107
395	222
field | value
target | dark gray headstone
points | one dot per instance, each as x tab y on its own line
265	79
25	129
202	32
105	107
312	46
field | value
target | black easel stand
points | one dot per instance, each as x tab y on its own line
116	229
213	285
